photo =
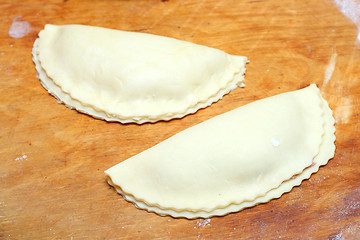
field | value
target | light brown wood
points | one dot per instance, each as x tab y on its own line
52	159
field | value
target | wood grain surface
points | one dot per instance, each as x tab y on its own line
52	159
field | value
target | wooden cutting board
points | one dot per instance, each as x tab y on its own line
52	159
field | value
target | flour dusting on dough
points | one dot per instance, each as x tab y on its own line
19	28
275	142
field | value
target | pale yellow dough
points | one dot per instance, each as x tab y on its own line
235	160
132	77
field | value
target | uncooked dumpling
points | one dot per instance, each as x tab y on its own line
132	77
235	160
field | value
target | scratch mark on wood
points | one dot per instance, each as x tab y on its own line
198	26
165	15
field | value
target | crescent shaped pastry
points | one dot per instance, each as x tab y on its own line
132	77
244	157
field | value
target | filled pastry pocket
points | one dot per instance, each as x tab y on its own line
132	77
235	160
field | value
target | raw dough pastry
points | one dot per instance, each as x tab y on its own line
132	77
235	160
